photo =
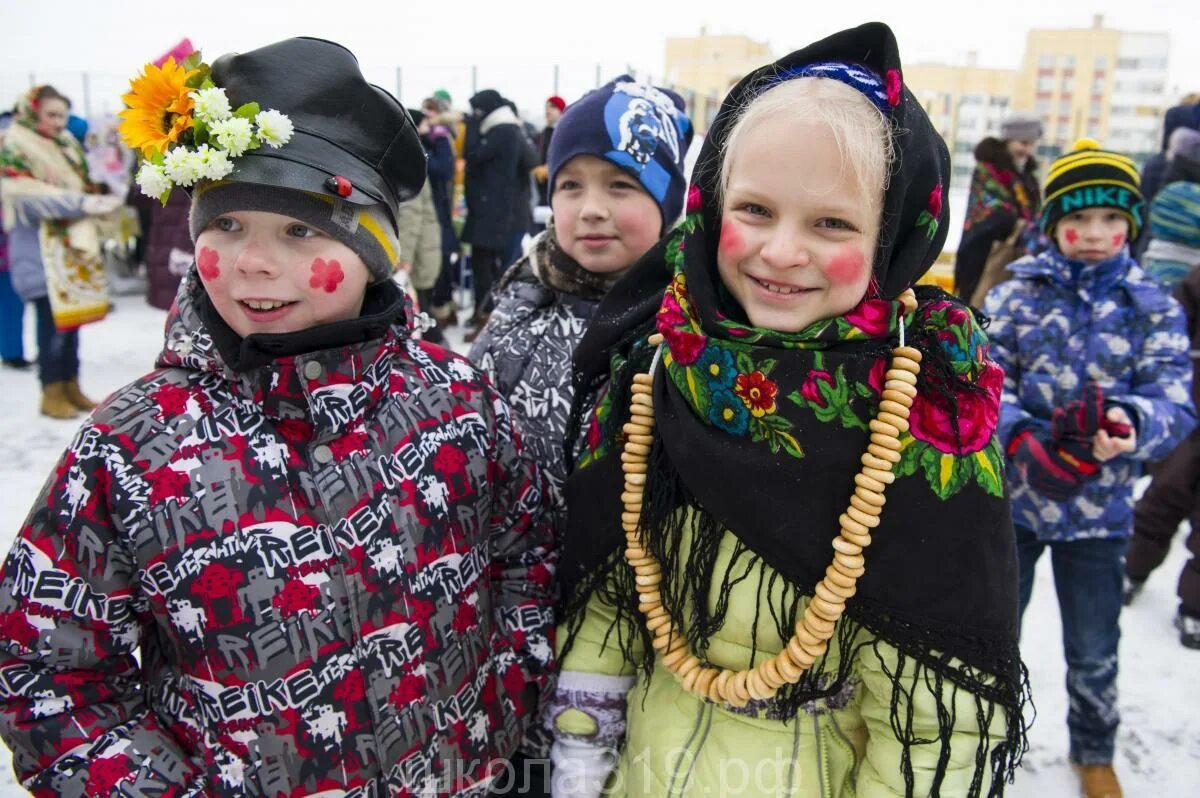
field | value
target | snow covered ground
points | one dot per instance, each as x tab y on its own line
1159	745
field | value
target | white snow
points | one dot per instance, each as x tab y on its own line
1158	751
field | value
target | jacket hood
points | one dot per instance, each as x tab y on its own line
1177	117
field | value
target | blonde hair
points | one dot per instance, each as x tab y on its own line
862	133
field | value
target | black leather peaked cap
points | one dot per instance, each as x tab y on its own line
344	126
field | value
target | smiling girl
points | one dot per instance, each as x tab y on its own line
814	590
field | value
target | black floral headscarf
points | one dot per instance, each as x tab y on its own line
759	434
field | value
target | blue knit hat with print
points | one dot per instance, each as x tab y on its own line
641	128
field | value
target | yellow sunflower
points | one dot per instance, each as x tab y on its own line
159	108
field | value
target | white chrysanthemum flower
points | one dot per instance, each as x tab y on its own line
153	180
216	163
234	135
183	166
211	105
274	128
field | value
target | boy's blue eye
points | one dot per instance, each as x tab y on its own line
623	184
838	224
301	231
225	224
566	185
754	209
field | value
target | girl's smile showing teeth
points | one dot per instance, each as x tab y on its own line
776	288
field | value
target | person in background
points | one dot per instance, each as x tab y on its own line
420	232
446	135
555	106
1173	248
1096	383
1004	195
12	308
50	210
1173	495
496	185
523	223
1184	115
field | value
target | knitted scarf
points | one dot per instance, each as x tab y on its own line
34	165
759	434
554	268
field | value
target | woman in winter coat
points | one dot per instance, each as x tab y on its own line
498	159
1004	192
50	212
306	554
768	623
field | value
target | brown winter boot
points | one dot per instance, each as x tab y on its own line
1098	781
55	402
77	397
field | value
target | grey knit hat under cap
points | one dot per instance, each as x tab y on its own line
366	229
1021	127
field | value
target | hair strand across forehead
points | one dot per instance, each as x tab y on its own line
860	130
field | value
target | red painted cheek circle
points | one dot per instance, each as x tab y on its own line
1118	239
207	263
326	275
1071	236
731	244
846	267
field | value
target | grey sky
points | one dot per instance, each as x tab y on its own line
514	44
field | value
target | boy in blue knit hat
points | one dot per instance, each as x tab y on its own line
616	178
1096	383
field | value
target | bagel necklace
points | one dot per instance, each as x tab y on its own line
814	629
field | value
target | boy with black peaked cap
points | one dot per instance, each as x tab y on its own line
321	537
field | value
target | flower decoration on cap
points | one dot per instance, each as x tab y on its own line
186	130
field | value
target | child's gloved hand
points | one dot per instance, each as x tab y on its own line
1079	418
1048	468
1117	435
1073	427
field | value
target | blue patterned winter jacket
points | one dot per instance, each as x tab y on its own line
1059	323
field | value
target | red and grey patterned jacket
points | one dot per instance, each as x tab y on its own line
331	574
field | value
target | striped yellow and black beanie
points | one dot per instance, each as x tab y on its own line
366	229
1089	177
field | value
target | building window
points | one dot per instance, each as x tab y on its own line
1046	60
1068	84
1068	62
1101	63
1064	105
1042	107
1045	83
1127	63
1094	108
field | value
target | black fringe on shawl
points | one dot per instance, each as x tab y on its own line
671	514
